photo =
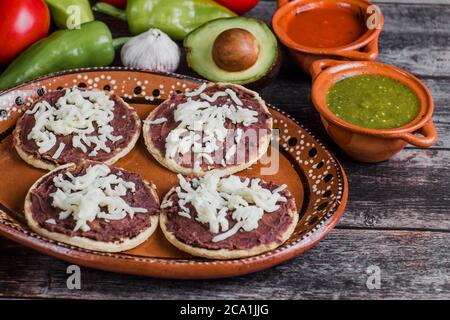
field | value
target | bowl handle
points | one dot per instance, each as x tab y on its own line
369	53
319	65
429	136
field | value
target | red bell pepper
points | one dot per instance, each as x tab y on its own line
239	6
22	23
117	3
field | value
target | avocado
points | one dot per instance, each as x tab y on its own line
239	50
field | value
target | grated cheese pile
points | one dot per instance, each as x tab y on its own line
83	197
201	127
78	113
213	196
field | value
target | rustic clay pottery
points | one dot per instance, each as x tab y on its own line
371	145
313	175
365	48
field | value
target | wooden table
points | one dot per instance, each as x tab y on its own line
397	218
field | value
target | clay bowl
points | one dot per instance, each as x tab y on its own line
371	145
364	48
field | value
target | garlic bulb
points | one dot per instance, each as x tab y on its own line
152	50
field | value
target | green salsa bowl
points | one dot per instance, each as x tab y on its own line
371	109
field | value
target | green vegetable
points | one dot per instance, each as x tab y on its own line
174	17
375	102
89	46
201	43
69	14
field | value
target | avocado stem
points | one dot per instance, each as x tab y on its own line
110	10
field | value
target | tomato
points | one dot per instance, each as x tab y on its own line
116	3
239	6
22	23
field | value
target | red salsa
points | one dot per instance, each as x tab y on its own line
326	27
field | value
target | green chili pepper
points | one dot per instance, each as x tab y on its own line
69	14
174	17
90	46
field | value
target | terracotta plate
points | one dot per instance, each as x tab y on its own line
313	175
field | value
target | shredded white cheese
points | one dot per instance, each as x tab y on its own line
58	151
167	204
50	221
156	121
96	194
214	97
230	152
213	196
233	96
201	127
197	91
84	114
238	135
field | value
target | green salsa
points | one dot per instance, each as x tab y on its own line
374	102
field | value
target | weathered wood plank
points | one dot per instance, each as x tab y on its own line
419	53
409	191
412	265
